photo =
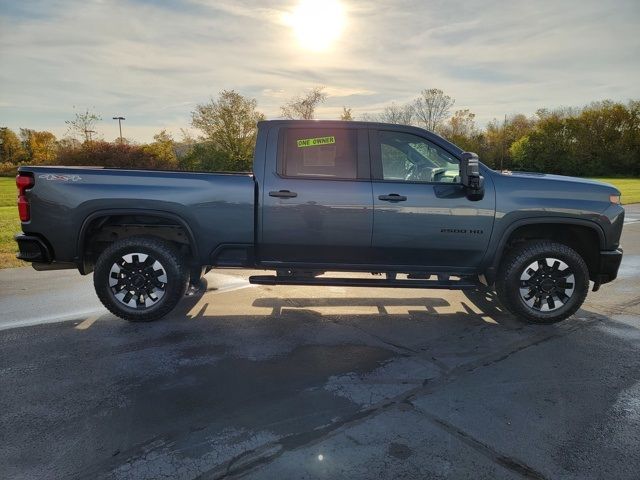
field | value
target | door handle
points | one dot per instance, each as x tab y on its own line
283	194
392	197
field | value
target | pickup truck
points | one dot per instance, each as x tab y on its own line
327	196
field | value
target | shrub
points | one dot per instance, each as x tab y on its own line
117	155
8	169
206	157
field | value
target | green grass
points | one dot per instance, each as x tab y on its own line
630	188
8	192
9	223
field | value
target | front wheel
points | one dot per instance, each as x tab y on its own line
140	279
542	281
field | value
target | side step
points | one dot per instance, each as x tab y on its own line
360	282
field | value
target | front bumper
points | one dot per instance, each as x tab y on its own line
33	249
608	265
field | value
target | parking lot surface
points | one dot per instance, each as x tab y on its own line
307	382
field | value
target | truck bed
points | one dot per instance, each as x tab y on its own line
64	199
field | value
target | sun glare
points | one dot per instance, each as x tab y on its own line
317	24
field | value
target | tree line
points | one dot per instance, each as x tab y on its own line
600	139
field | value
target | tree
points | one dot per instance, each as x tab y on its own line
461	130
394	113
204	156
601	139
184	148
229	125
83	125
499	136
69	143
163	149
187	137
520	152
346	114
304	107
432	108
460	125
41	147
398	114
11	150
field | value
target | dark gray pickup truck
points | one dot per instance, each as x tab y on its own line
328	196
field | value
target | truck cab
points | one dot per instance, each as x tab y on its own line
357	195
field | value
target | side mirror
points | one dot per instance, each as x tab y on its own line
470	176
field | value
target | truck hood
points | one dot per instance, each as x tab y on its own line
533	176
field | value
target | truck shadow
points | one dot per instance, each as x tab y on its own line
480	306
277	304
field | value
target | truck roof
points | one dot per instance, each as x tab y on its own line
362	124
336	123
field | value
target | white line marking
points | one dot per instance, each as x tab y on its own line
51	319
230	288
90	314
87	323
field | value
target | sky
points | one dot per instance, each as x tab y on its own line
152	61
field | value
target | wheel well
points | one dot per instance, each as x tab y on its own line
582	239
102	231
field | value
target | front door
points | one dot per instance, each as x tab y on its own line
422	216
317	205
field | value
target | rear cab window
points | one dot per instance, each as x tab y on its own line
323	153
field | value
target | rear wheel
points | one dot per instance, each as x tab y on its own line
542	281
140	279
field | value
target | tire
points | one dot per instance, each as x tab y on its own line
140	279
542	281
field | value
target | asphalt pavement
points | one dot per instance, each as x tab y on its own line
307	382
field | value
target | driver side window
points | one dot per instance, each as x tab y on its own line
409	158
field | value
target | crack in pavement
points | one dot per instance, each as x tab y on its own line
254	459
403	350
510	463
396	347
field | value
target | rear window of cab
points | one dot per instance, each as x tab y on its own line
326	153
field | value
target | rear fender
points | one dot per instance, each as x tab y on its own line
80	246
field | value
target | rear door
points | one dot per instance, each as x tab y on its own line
422	216
317	204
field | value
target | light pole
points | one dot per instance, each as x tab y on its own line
87	134
120	125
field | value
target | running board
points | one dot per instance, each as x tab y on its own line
360	282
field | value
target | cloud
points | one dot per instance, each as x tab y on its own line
249	9
336	91
153	60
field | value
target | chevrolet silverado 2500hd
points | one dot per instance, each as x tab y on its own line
327	196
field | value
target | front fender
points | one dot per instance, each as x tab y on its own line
501	234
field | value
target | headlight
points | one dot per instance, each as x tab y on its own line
614	199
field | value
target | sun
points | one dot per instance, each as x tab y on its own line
317	24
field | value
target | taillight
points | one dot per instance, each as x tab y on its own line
24	182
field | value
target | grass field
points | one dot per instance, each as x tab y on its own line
10	224
630	188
